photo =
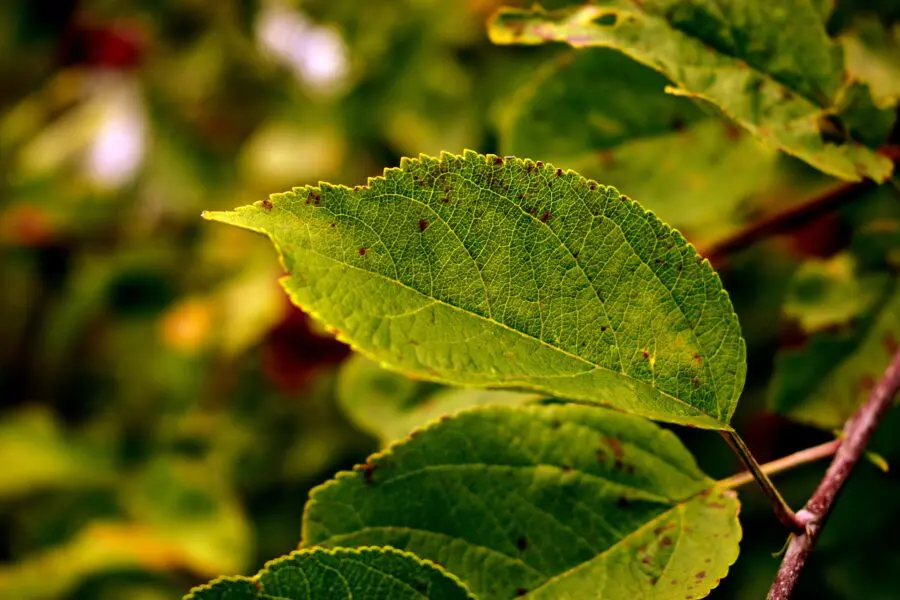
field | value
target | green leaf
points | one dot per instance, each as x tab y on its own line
823	382
546	501
389	405
607	117
317	574
873	57
780	87
826	293
482	271
46	457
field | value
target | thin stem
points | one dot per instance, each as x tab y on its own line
786	463
782	510
857	432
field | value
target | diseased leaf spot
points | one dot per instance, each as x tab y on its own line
890	343
666	541
546	216
267	204
362	251
498	160
559	172
701	575
521	591
522	544
423	224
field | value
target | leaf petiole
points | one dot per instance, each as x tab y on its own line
784	512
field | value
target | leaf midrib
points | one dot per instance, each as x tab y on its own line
509	384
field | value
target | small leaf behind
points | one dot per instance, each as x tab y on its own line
389	405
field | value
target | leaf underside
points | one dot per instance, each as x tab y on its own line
389	405
483	271
732	55
550	502
370	573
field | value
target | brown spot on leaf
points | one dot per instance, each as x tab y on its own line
666	541
559	172
267	204
653	580
732	131
701	575
890	343
368	471
566	469
695	382
539	163
423	224
362	251
546	216
866	383
646	354
521	592
592	186
498	160
522	543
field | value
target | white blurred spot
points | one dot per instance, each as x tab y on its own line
117	149
317	55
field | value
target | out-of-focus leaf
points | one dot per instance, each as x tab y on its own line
872	53
825	381
606	116
102	547
779	87
482	271
192	507
389	405
39	455
826	293
544	502
370	573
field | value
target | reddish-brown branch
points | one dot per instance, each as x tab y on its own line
783	222
857	432
794	217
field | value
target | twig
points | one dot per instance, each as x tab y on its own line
857	432
784	221
784	513
783	464
833	197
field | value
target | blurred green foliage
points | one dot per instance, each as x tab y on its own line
165	410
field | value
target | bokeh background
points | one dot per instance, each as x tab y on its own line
164	409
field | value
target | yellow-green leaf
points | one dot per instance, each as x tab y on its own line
545	502
733	55
483	271
342	574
